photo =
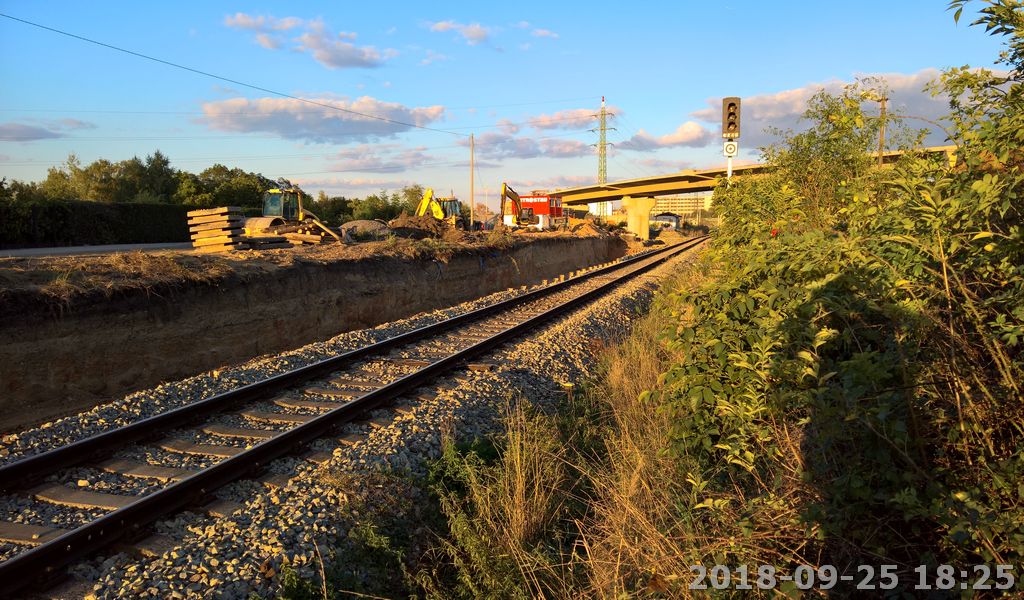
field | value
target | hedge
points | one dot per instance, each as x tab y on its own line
77	222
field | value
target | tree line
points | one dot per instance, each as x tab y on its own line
154	180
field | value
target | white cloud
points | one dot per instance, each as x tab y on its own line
472	33
261	22
574	118
660	164
433	57
16	132
268	42
71	124
689	133
565	148
508	126
495	145
338	54
783	109
350	187
552	183
544	33
293	119
379	158
332	50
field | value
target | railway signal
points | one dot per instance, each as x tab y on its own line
730	130
731	118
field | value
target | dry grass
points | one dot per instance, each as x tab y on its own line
45	284
630	534
606	454
61	280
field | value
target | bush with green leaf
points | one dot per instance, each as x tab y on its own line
850	390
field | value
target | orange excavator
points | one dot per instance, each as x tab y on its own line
512	212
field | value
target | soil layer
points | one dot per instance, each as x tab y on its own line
53	363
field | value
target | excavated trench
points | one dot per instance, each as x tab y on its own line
61	364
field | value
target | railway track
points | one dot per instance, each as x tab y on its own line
175	460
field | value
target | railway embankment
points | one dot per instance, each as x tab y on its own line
75	332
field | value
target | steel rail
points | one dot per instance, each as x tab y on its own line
43	560
15	474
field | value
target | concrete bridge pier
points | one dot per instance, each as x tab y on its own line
638	215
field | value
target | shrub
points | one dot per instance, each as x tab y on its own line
72	222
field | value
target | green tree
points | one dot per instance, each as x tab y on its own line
161	180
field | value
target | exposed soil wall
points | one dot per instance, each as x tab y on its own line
54	365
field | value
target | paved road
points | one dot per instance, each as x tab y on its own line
85	250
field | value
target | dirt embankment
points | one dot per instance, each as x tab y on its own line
77	331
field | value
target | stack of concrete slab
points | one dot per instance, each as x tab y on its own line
217	229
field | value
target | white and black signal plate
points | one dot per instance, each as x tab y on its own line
730	149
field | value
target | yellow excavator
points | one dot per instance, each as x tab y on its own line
282	205
512	212
447	209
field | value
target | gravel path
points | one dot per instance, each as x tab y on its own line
243	554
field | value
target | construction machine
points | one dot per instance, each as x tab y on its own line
443	209
282	206
513	213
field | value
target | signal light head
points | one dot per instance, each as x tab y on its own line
730	117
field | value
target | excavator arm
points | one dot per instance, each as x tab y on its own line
429	204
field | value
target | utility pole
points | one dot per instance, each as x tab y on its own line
881	130
472	181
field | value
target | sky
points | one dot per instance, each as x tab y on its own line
525	78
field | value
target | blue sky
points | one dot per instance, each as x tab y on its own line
525	78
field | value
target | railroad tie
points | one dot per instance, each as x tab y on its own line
354	381
153	546
274	480
186	447
380	422
28	535
409	362
313	404
273	417
129	468
318	457
352	439
238	432
222	509
334	393
77	498
404	409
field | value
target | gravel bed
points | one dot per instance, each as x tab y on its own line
244	554
23	509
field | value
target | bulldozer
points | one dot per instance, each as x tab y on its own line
444	209
282	206
513	214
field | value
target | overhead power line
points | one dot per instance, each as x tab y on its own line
228	79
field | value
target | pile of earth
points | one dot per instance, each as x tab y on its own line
588	229
364	228
418	227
